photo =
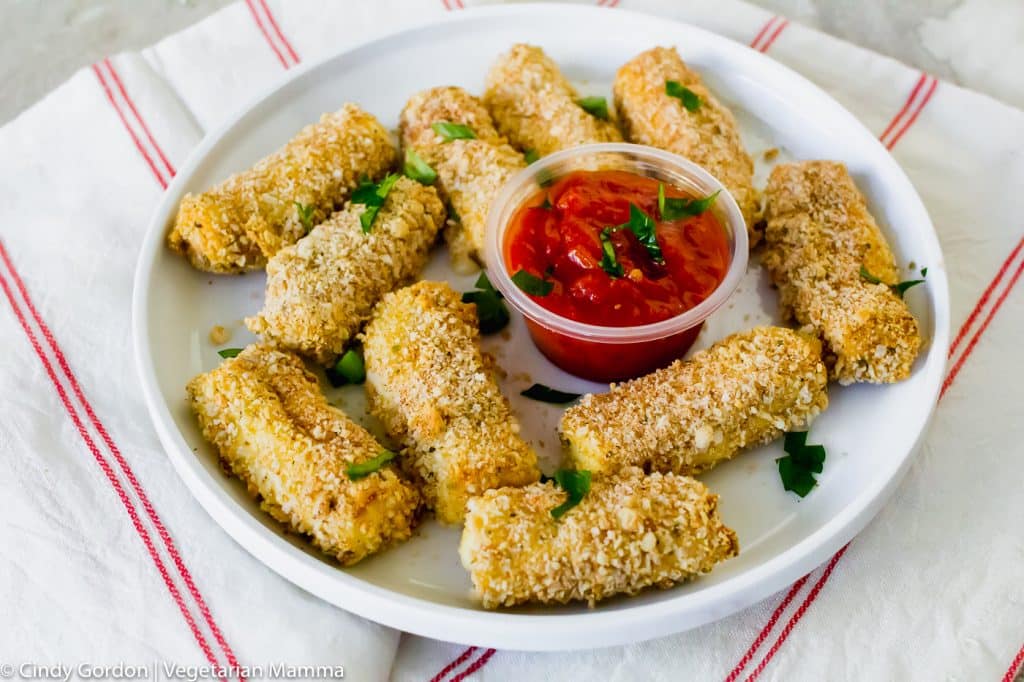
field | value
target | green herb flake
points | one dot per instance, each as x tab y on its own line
684	94
797	469
898	289
546	394
595	106
609	261
531	284
576	484
372	196
672	208
530	155
349	369
364	469
305	215
418	169
490	309
547	203
229	352
453	131
643	227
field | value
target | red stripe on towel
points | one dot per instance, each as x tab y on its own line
955	370
933	85
454	664
280	34
122	463
784	635
108	471
131	131
266	34
775	34
476	665
769	626
135	111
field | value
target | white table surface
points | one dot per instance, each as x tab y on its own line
975	43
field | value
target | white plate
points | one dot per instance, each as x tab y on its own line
870	432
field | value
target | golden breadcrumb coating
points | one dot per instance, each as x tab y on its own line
629	532
819	234
745	390
274	430
322	289
429	383
469	172
537	108
707	136
241	222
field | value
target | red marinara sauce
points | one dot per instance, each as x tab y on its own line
556	235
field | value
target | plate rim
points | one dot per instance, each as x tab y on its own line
498	629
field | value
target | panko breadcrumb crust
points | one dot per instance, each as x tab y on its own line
241	222
322	289
743	391
630	532
707	136
537	108
469	172
429	383
819	234
274	430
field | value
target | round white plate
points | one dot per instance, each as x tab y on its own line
870	431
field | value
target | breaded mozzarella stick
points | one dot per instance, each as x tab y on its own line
430	385
628	533
241	222
322	289
274	430
707	135
470	172
537	108
745	390
819	236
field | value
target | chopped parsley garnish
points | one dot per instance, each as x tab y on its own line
797	469
898	289
643	226
305	215
531	155
349	369
546	394
684	94
609	261
364	469
576	484
490	309
372	196
453	131
672	208
229	352
595	106
547	203
418	169
532	284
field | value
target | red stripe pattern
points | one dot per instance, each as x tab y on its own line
1015	666
108	470
101	71
915	103
919	97
272	32
769	33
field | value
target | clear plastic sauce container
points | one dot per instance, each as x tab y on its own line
613	281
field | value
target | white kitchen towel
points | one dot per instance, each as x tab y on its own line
106	559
